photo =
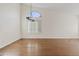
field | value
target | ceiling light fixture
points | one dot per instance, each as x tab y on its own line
34	15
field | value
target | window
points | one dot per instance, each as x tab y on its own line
35	14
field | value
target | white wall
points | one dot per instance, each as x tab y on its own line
55	22
9	23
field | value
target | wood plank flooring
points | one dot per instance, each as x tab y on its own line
42	47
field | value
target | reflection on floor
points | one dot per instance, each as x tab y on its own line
43	47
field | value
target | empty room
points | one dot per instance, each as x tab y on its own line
39	29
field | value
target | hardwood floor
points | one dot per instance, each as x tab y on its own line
42	47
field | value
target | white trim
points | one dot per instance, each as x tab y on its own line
8	43
53	37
